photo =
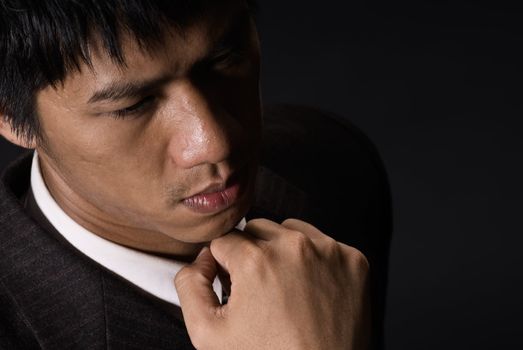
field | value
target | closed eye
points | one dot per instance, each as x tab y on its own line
228	58
135	109
225	63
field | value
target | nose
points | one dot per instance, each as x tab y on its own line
205	132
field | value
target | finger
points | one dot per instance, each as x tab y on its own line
305	228
198	300
232	250
264	229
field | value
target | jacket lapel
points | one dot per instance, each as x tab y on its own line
66	299
58	293
138	321
69	301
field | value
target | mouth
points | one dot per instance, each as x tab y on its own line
217	196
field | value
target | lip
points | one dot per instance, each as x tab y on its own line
214	198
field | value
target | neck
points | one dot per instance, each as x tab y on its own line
96	221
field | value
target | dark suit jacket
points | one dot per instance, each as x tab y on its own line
316	167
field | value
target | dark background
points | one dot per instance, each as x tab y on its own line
437	86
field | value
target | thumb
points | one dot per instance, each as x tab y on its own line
198	300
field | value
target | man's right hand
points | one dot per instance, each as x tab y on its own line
292	287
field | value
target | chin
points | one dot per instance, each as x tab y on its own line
206	228
196	228
221	225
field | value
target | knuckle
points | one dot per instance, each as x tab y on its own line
298	242
290	222
331	242
332	247
254	256
183	277
222	242
189	276
359	260
216	244
256	222
259	220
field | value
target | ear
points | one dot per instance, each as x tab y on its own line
9	134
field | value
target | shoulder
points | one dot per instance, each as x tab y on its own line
333	177
333	163
15	330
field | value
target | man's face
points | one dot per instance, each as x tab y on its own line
128	147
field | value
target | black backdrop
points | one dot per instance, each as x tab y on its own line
437	86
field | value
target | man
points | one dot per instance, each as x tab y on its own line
146	121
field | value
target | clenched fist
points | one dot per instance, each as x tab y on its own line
292	287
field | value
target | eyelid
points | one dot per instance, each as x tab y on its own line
134	109
227	58
233	53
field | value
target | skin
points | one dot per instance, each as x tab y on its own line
124	178
292	286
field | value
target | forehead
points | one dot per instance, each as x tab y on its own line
180	48
181	42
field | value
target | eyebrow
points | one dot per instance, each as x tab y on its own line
236	35
128	89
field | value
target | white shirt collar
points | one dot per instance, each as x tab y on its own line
151	273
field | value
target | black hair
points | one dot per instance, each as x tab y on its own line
42	41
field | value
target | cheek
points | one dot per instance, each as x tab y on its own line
115	164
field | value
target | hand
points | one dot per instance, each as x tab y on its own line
292	287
